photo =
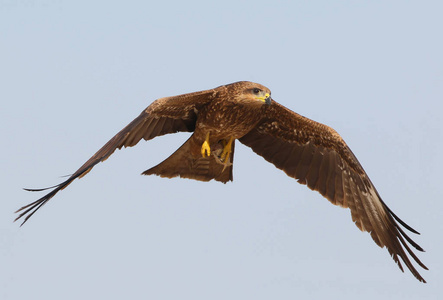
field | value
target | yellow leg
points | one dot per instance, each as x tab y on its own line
206	149
227	149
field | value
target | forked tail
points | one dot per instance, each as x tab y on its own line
187	162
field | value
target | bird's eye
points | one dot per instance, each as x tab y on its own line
256	91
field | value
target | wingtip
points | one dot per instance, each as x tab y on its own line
24	214
21	215
42	189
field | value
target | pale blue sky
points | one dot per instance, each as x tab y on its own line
73	73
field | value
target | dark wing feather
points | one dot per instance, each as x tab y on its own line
163	116
317	156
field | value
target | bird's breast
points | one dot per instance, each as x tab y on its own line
228	119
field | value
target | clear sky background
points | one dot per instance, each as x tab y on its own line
73	73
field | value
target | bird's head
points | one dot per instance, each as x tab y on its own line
251	93
262	94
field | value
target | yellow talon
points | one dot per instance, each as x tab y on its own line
206	149
226	150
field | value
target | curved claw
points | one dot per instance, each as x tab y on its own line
206	149
227	149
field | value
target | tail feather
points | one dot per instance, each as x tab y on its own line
187	162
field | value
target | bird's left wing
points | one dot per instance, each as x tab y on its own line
163	116
317	156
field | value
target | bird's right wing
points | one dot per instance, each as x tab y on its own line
163	116
317	156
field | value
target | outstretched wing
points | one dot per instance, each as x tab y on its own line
163	116
317	156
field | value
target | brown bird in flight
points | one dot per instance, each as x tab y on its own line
310	152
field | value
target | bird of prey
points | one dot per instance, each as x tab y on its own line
310	152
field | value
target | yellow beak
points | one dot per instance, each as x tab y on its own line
266	98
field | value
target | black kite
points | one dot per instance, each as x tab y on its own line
308	151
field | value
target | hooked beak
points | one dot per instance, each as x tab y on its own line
266	99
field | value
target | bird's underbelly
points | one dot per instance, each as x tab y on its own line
223	132
230	126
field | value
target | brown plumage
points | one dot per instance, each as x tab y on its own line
308	151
